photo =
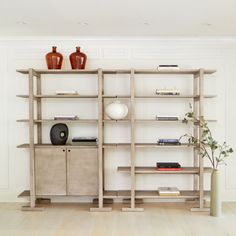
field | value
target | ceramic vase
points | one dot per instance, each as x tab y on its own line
216	203
78	59
54	59
116	110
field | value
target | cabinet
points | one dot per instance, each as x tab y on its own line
50	171
66	171
82	172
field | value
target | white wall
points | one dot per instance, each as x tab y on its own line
113	53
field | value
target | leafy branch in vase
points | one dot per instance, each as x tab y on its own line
206	145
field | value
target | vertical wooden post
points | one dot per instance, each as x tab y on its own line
31	137
39	110
133	148
100	145
196	128
201	116
200	159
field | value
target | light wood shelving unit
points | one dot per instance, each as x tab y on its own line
198	170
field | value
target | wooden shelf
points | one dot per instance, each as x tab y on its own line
45	71
151	194
153	170
118	71
116	121
116	96
145	145
168	121
59	121
174	72
173	96
116	145
59	96
48	145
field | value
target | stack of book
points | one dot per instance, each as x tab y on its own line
66	92
163	166
73	117
165	91
168	191
168	141
84	141
167	118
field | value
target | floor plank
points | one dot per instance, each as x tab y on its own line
164	219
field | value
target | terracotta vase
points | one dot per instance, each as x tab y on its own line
78	59
54	59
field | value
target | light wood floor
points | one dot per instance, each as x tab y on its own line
159	219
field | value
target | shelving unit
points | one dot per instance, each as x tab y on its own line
198	170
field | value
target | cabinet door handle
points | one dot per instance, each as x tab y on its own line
63	150
69	150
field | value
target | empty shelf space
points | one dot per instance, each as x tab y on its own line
153	170
174	72
174	96
169	121
59	96
48	145
146	194
59	121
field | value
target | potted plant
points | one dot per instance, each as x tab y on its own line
216	153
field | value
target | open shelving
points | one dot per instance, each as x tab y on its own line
197	170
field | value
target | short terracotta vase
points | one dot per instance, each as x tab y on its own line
54	59
78	59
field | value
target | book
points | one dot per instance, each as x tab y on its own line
65	92
168	191
168	67
73	117
167	118
168	141
167	92
168	165
84	139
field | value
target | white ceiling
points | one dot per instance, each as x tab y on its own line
148	18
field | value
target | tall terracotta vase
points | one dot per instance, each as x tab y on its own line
78	59
216	204
54	59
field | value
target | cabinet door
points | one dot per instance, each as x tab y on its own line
50	171
82	171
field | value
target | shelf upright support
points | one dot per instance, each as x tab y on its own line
200	130
32	206
100	207
133	148
196	128
39	109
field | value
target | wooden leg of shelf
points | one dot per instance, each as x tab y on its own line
135	209
29	208
128	201
105	201
98	209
